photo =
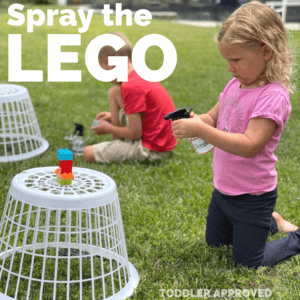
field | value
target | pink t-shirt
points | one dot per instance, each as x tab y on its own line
236	175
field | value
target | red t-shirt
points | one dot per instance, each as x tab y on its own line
153	102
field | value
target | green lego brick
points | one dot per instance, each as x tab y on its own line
63	182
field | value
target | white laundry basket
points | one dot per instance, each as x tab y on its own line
64	241
20	136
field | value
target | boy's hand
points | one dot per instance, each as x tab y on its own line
187	128
105	116
102	128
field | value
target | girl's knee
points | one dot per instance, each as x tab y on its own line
209	241
217	240
250	258
88	154
247	264
213	243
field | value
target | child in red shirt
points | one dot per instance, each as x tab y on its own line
135	120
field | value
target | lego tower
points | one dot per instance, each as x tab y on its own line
64	172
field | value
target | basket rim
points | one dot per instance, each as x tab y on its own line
22	156
101	189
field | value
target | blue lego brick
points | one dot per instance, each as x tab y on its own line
64	154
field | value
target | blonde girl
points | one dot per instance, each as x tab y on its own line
245	127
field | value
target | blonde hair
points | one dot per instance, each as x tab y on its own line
126	50
255	25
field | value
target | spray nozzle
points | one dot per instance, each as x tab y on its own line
179	114
78	128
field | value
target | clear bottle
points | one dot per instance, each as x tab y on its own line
78	143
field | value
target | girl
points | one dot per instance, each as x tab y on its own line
245	127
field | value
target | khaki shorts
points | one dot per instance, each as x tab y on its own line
119	150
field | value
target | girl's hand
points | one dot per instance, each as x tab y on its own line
104	116
187	128
102	128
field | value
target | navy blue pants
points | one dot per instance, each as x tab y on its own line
245	221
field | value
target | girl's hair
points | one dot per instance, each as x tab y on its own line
126	50
255	25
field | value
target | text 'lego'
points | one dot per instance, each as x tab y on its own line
120	71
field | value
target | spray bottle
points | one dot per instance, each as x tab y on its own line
79	143
200	146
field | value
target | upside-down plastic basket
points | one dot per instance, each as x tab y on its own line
20	136
64	241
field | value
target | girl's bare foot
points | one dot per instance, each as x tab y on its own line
283	225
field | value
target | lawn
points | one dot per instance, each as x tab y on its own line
163	205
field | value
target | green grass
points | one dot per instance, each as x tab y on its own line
164	205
